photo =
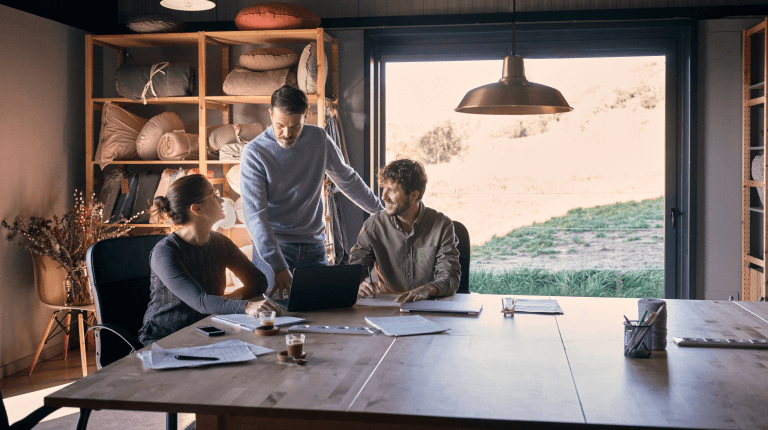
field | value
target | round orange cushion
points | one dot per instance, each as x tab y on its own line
276	16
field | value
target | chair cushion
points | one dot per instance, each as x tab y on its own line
307	73
119	131
146	142
244	82
155	23
269	59
276	16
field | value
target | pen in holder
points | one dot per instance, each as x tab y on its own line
637	340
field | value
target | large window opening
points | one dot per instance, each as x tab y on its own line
566	204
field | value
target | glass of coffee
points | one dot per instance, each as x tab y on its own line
295	343
267	320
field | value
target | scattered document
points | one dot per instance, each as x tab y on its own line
458	307
380	300
332	329
229	351
405	326
529	306
251	323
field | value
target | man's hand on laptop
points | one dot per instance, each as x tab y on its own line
367	289
421	293
283	281
253	307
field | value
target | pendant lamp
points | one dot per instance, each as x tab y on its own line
189	5
513	94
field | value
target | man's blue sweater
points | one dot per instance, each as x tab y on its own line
282	189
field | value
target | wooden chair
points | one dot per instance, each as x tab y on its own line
464	249
49	284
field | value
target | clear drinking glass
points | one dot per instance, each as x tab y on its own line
295	343
267	319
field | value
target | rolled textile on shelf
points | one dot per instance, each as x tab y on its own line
146	143
220	135
758	174
659	328
233	178
177	145
229	215
231	152
244	82
137	82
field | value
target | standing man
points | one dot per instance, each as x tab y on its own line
281	177
414	247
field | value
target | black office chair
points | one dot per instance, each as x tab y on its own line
119	273
27	422
463	235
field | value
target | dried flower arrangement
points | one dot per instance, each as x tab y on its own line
66	240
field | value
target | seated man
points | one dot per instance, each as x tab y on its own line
414	248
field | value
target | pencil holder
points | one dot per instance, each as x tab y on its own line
637	340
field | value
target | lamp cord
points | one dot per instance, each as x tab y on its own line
513	28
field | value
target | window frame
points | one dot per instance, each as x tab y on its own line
674	39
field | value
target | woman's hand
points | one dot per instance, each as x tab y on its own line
254	307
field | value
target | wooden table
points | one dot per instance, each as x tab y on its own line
487	371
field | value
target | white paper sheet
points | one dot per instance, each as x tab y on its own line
380	300
229	351
251	323
405	326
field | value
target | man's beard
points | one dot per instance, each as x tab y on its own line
398	209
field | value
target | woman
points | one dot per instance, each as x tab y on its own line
189	265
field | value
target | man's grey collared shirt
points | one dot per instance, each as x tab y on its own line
405	261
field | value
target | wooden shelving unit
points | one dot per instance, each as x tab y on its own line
754	131
224	104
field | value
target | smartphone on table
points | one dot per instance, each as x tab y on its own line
210	330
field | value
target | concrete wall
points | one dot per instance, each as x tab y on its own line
41	139
718	269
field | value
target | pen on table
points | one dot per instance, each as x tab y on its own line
189	357
642	318
266	297
370	279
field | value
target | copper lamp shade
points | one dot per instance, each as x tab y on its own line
513	95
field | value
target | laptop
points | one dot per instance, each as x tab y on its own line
323	287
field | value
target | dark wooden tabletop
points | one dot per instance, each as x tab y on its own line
486	370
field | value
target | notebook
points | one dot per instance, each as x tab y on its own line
458	307
251	323
323	287
405	325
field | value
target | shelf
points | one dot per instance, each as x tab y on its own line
756	184
756	148
210	104
222	162
756	29
265	37
758	210
146	40
104	224
752	260
755	102
195	162
758	86
150	100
